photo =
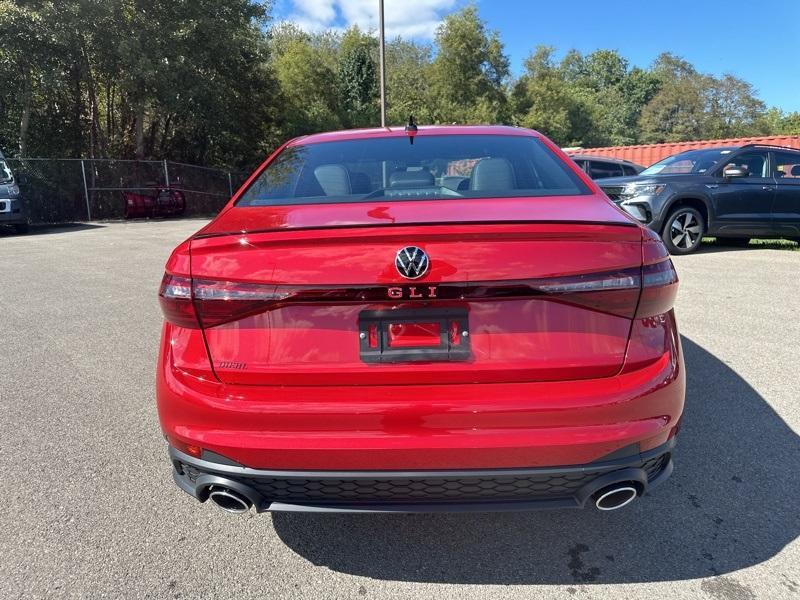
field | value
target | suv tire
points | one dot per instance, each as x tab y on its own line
683	230
21	228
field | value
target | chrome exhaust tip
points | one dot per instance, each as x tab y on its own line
615	496
230	500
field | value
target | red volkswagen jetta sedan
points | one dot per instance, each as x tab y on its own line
448	318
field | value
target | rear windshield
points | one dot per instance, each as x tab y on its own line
393	169
693	161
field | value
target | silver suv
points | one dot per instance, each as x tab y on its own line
12	209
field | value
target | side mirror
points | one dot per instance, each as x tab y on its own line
22	179
735	171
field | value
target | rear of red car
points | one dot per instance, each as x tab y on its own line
462	322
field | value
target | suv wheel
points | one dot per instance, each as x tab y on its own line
683	230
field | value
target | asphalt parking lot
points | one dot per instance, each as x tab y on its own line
90	509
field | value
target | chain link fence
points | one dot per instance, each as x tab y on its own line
61	190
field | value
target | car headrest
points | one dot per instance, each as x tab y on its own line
796	171
333	179
455	182
402	179
492	174
360	183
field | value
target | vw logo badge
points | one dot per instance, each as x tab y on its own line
412	262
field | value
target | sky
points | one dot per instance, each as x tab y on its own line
756	41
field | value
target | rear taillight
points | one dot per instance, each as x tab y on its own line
218	302
175	297
654	333
659	289
614	292
632	293
628	293
206	303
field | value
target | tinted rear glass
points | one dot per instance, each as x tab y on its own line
693	161
601	170
433	167
787	166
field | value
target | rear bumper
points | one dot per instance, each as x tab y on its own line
423	491
481	446
423	427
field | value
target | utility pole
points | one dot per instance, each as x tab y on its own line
383	63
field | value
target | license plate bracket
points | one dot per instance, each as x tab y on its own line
382	338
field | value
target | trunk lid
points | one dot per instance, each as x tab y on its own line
543	209
333	273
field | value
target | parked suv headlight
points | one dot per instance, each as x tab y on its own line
13	190
647	189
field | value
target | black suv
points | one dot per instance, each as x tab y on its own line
732	193
601	167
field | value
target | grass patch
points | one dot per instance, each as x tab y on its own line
757	243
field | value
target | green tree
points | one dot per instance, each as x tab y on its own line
27	53
635	92
690	105
307	81
678	111
144	78
592	100
469	72
774	121
613	95
733	108
220	76
789	124
213	81
358	80
543	100
408	67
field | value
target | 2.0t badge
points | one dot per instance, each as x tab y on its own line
412	262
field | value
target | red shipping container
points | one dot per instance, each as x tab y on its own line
647	154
